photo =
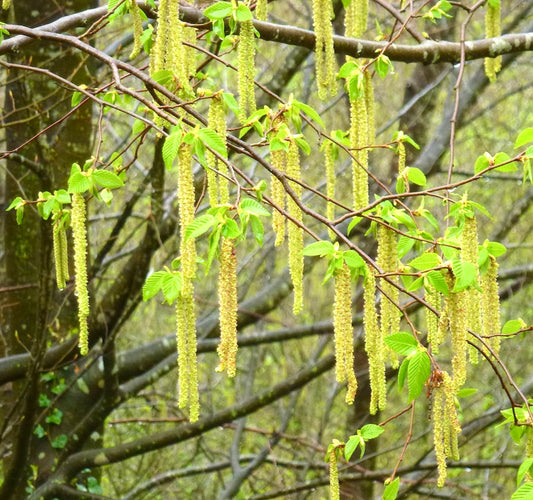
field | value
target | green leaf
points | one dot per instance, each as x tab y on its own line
346	70
39	431
517	432
214	239
383	65
44	401
418	372
18	201
212	140
353	259
171	286
416	176
404	245
524	468
496	249
416	284
75	99
303	145
350	446
231	229
524	137
253	207
371	431
426	261
309	111
402	343
465	274
502	158
481	164
107	179
466	392
55	418
60	441
199	226
171	147
353	223
512	326
79	183
321	248
438	281
243	13
402	373
219	10
163	77
257	229
153	284
391	490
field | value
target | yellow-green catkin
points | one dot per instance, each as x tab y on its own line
295	232
60	254
189	36
137	29
491	306
343	332
228	307
261	10
374	345
217	186
246	70
370	107
79	236
446	427
529	450
6	4
457	310
356	18
329	156
334	488
492	29
185	310
388	261
278	159
326	67
470	253
358	143
434	299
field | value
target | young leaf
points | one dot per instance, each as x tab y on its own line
426	261
309	111
219	10
371	431
438	281
391	490
171	147
243	13
353	259
107	179
257	229
416	176
350	446
231	229
199	226
465	274
402	373
418	372
481	164
402	343
212	140
253	207
512	326
524	468
466	392
153	284
524	137
321	248
171	286
496	249
79	183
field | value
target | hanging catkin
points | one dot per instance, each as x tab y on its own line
137	29
329	157
60	254
491	306
492	29
217	186
326	67
79	236
246	70
358	143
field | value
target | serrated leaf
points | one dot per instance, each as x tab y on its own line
17	201
243	13
75	99
404	245
212	140
402	373
416	284
309	111
152	284
416	176
496	249
107	179
350	446
512	326
481	164
391	490
231	229
199	226
60	441
303	145
353	223
79	183
524	137
517	432
171	148
426	261
321	248
371	431
402	343
171	286
219	10
465	274
253	207
438	281
466	392
163	76
353	259
524	468
418	372
257	229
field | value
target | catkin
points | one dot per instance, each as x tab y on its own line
137	30
433	298
185	311
343	332
368	90
470	253
228	307
457	312
60	254
295	232
492	29
387	260
326	67
358	142
491	306
6	4
246	70
334	488
79	236
218	190
374	345
278	159
329	157
356	18
261	10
